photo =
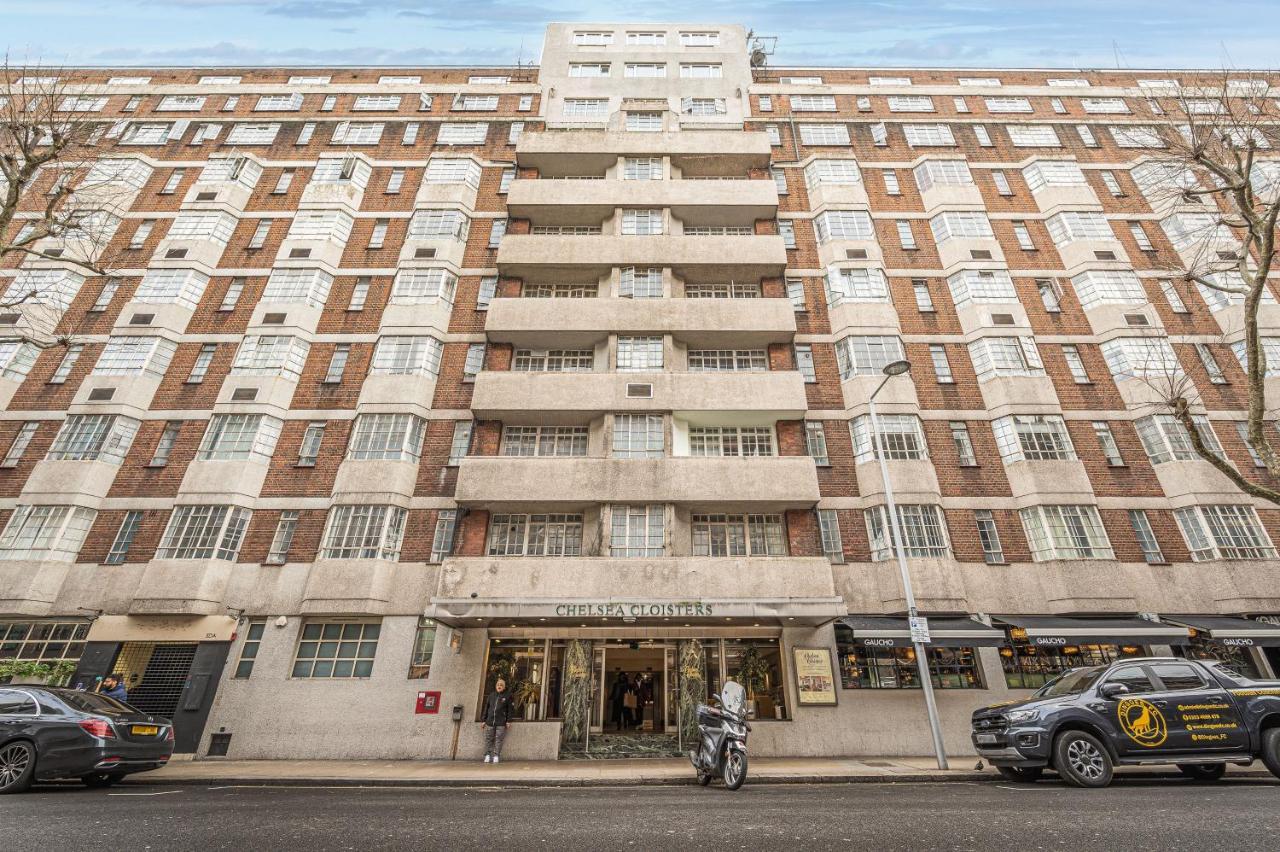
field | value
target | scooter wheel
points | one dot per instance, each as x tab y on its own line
735	769
703	779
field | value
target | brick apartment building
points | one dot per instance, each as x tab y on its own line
413	376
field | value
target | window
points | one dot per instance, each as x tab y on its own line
891	185
436	224
963	444
405	355
1005	356
843	225
1242	432
699	39
423	286
535	535
960	224
923	532
593	39
458	133
1050	294
1210	364
636	531
1108	178
864	667
379	233
1075	363
815	439
867	356
154	133
332	649
738	535
920	289
474	362
278	554
395	181
829	528
906	237
168	438
824	134
443	537
204	532
932	173
765	103
928	135
45	532
260	232
1270	352
879	130
1065	532
387	437
376	103
651	39
309	447
734	290
1136	136
174	181
63	371
641	222
1141	357
982	135
283	182
856	285
136	355
1068	82
779	180
1224	532
359	293
232	296
282	103
598	69
124	538
271	355
94	437
644	121
1023	236
1165	438
334	225
1140	237
989	537
544	441
1033	136
736	441
43	640
982	286
787	230
910	103
20	443
771	132
253	134
1001	182
461	443
804	362
239	436
812	103
249	649
1032	437
364	532
901	437
795	294
638	436
960	104
1108	287
639	354
1107	443
941	364
699	71
1008	105
1146	537
553	360
1172	296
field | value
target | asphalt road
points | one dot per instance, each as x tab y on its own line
1131	816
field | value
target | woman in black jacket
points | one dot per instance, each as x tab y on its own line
498	710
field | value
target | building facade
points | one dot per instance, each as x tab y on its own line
411	378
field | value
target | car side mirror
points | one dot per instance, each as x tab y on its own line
1113	690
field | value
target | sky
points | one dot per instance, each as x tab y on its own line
971	33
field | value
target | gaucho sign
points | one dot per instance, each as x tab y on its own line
634	609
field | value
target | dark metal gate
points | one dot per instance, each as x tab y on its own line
155	673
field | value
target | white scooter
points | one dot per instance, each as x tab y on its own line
722	747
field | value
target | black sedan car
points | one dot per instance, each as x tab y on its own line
48	733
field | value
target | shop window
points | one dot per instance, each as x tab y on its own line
1030	667
1236	658
42	641
522	664
424	643
895	668
757	665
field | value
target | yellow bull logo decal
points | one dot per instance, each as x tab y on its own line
1142	722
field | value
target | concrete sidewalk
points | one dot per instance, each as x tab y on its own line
571	773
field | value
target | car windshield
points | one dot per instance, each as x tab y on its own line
1071	682
92	702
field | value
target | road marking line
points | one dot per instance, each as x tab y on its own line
1015	789
161	793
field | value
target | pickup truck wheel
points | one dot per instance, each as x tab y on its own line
1021	774
1203	771
1082	760
1271	750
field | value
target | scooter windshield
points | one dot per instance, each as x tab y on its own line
733	697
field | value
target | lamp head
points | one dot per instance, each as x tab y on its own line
897	368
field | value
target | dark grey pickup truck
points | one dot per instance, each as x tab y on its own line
1198	716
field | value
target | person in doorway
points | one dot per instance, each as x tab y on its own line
617	700
113	687
498	710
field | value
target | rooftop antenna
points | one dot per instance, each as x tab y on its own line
760	48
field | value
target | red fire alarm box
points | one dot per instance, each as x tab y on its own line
428	702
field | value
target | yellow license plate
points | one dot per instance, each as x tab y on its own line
146	730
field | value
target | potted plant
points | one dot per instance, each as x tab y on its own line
526	694
753	674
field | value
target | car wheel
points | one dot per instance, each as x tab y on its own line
1271	750
1203	771
1082	760
100	779
1021	774
735	769
17	766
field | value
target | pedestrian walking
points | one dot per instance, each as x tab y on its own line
498	710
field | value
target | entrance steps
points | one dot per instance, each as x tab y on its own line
612	746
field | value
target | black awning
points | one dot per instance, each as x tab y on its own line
1240	632
1053	631
876	631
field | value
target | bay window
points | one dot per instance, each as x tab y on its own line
1224	532
1065	532
923	532
867	356
387	437
1033	437
901	437
998	357
407	355
45	532
204	532
364	532
271	355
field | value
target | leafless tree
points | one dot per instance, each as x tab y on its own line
58	211
1222	200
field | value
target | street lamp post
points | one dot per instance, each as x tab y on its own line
897	368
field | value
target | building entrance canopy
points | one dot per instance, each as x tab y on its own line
484	612
1230	631
883	632
1050	631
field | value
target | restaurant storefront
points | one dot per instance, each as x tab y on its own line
1039	648
1248	646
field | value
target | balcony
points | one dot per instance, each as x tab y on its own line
753	256
578	397
594	151
542	200
705	323
723	484
789	589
